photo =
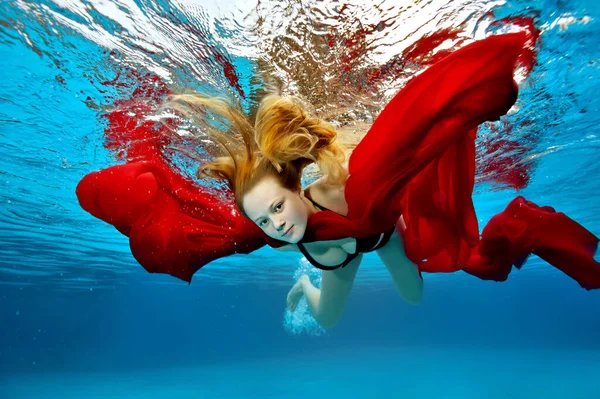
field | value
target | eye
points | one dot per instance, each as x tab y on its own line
278	206
262	223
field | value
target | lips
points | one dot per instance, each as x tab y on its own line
288	231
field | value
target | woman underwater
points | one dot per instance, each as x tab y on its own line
406	192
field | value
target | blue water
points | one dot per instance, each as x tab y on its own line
80	318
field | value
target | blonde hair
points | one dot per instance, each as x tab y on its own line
283	140
285	132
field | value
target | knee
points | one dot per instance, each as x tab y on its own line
327	324
414	297
329	321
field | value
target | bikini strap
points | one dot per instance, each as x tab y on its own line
308	256
312	260
321	207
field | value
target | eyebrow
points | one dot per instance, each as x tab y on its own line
270	207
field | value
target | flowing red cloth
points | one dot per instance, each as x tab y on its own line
174	225
417	160
525	228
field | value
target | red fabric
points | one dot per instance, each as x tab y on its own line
525	228
173	226
417	160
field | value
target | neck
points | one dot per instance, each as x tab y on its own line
312	209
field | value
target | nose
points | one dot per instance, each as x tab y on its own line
279	225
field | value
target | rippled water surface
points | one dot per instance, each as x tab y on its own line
66	62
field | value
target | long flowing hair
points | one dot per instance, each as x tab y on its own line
283	139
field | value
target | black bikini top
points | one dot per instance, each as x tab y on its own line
363	245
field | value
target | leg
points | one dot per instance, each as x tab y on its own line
326	304
405	273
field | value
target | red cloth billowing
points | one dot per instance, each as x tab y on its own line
524	228
417	160
172	225
418	157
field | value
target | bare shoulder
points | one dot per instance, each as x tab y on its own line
328	196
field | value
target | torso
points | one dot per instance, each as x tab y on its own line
328	253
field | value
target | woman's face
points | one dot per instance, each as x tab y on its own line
282	214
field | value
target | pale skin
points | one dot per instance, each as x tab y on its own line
283	215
